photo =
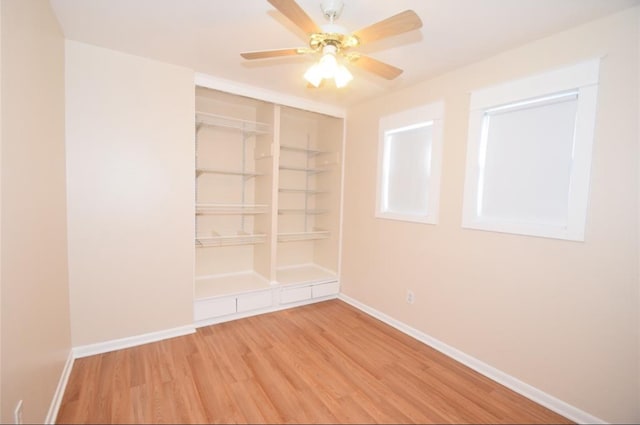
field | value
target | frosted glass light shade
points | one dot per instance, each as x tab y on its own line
328	65
314	75
342	76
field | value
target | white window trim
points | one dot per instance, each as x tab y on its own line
583	78
430	114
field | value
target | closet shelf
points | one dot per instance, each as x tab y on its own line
230	240
301	211
299	149
304	273
225	284
303	236
201	171
307	191
241	209
303	169
247	127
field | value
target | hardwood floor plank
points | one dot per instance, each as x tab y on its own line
352	412
141	406
277	388
189	405
242	397
382	410
322	363
427	395
264	404
213	395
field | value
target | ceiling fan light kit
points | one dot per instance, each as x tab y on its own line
328	68
333	42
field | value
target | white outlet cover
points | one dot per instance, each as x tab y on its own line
410	297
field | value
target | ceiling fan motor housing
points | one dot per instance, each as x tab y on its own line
341	40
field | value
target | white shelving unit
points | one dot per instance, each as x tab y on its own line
203	209
249	128
230	240
201	171
309	198
216	286
307	150
305	191
303	169
301	211
309	273
303	236
268	182
245	130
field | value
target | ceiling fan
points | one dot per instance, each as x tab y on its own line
333	43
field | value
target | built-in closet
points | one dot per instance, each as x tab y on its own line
268	195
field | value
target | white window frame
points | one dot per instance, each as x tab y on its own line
582	79
426	115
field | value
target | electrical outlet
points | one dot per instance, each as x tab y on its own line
410	297
17	413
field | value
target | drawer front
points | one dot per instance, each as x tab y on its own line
216	307
324	289
295	294
248	302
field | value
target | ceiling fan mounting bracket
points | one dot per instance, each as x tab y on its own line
332	9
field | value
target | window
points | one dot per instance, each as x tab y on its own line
529	154
409	152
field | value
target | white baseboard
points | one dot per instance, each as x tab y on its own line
119	344
522	388
62	385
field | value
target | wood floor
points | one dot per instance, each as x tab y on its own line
322	363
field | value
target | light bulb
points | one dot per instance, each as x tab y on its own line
314	75
342	76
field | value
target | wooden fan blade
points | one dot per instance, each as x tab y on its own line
296	14
382	69
396	24
264	54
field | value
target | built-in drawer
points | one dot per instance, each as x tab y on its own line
325	289
213	307
293	295
254	301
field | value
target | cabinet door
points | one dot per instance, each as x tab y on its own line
255	301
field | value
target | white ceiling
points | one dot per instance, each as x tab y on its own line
208	35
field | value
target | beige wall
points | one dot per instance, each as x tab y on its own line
35	300
130	162
561	316
1	213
